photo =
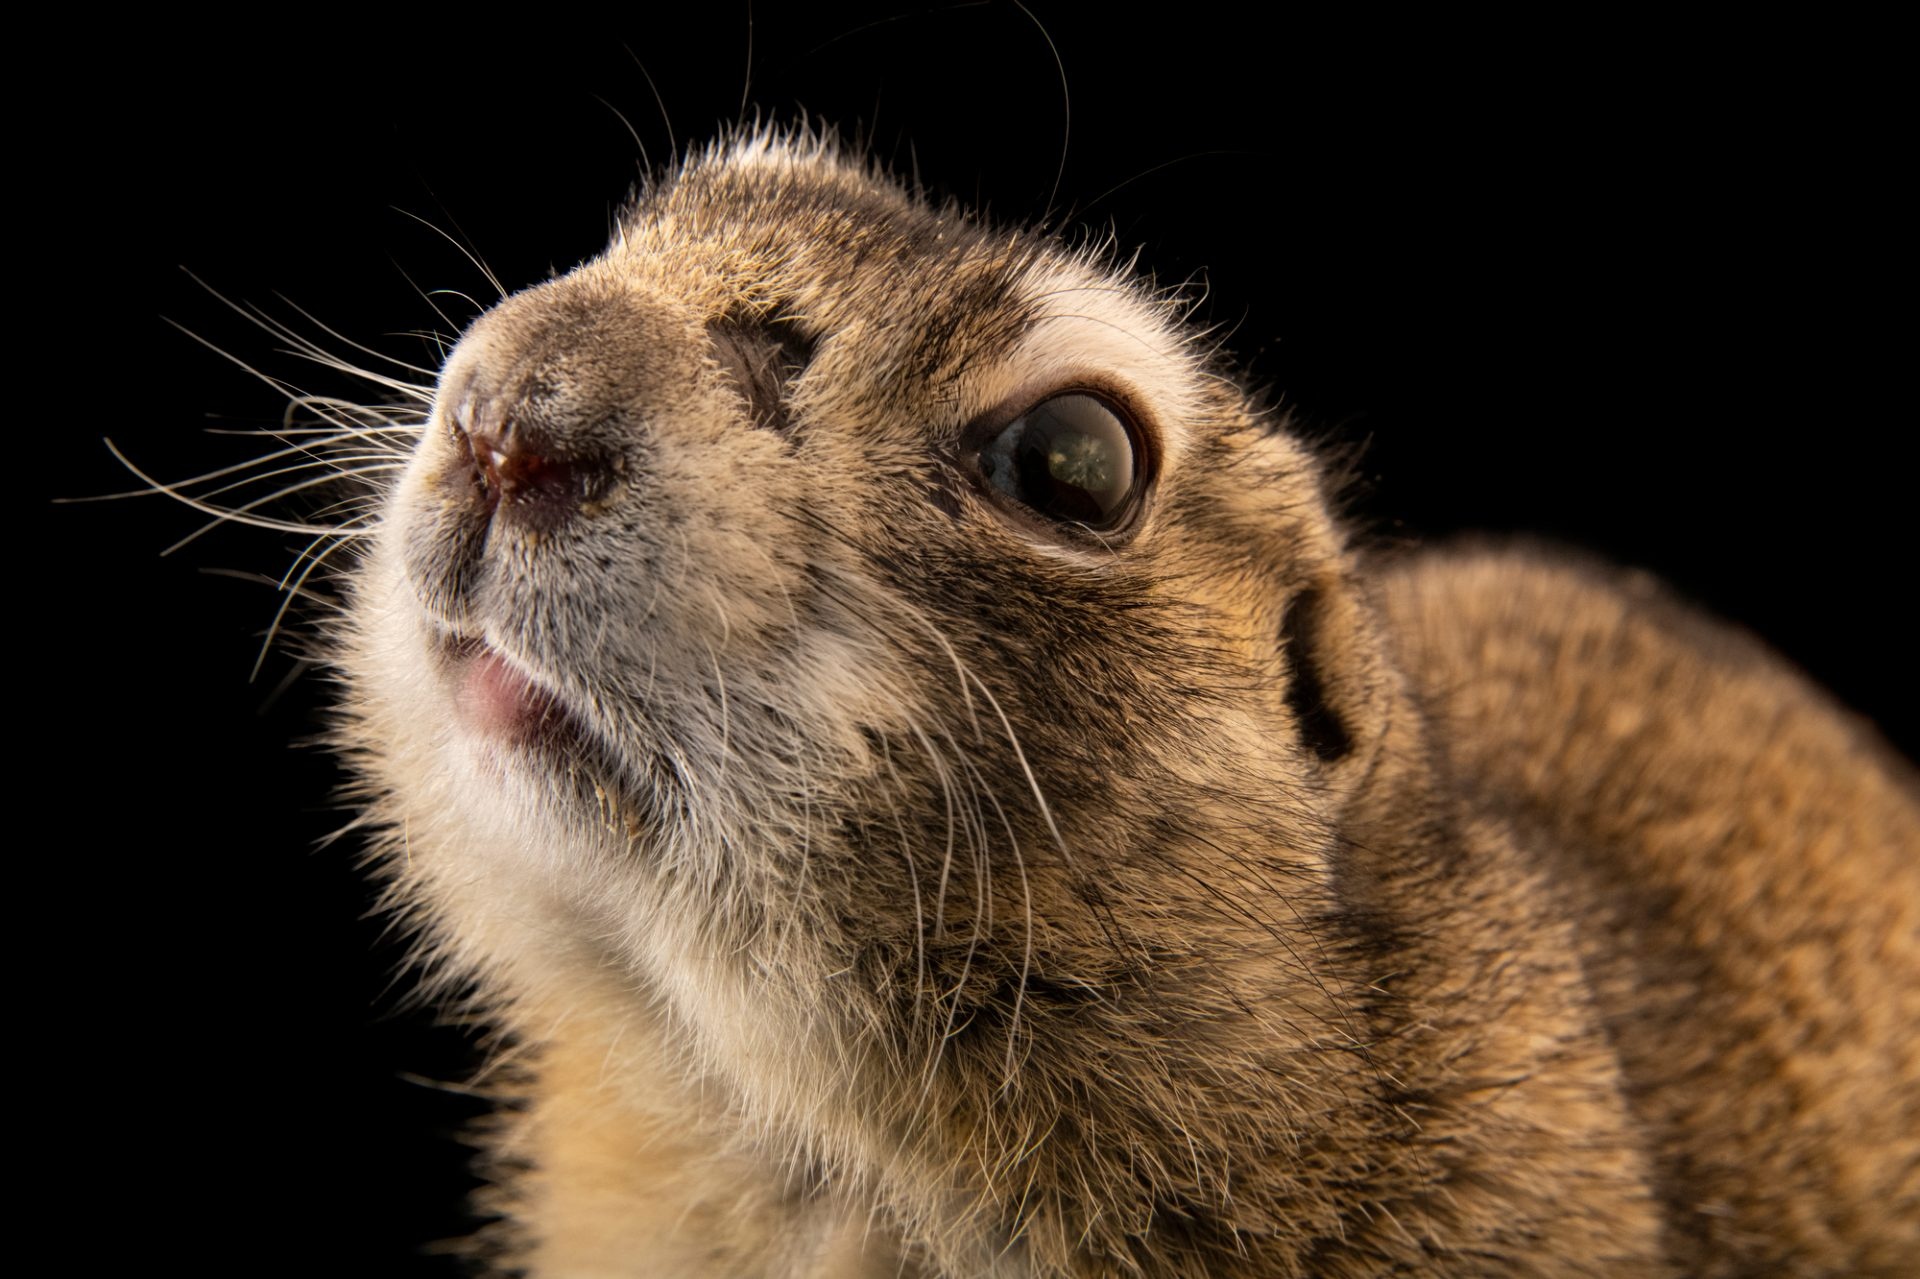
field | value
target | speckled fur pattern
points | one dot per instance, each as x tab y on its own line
925	890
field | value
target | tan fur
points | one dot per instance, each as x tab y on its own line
923	889
1739	863
632	1174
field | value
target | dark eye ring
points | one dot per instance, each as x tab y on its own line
1073	458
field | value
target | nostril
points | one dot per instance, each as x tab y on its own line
523	477
518	473
471	464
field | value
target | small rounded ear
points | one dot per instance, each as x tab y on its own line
1336	683
1335	690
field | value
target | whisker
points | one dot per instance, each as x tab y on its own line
277	432
303	347
335	334
224	516
334	466
470	256
1066	106
427	296
673	147
292	593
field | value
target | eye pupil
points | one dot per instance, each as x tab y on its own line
1070	458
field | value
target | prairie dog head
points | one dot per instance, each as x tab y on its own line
881	645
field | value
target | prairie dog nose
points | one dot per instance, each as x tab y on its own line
521	474
552	400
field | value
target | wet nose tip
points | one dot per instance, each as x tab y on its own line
519	470
520	475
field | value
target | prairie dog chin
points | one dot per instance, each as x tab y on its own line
895	730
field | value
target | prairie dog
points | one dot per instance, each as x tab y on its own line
899	736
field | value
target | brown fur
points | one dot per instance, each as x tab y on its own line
1738	859
924	889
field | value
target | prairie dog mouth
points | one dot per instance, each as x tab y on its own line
496	699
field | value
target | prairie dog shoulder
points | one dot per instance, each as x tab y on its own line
1715	827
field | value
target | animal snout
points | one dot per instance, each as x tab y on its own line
552	400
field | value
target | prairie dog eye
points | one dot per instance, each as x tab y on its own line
1070	458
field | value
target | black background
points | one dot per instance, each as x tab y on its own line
1626	287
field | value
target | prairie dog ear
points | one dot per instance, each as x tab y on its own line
1336	687
1330	653
1311	625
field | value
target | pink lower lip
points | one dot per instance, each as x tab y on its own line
498	700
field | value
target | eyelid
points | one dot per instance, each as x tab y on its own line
1124	404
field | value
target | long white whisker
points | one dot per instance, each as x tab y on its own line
279	387
254	432
427	296
343	465
235	513
305	348
482	267
292	593
223	516
331	332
